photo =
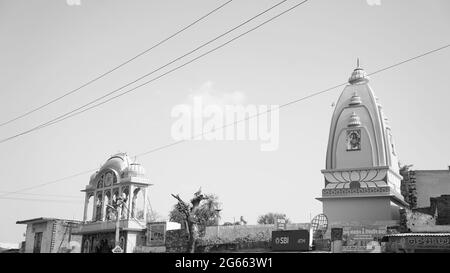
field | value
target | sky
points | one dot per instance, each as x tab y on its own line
50	47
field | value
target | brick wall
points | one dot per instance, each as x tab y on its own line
408	187
442	206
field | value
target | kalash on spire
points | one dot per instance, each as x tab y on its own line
362	180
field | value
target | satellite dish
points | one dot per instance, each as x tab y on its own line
319	226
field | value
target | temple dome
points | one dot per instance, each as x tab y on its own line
134	170
358	75
93	176
118	162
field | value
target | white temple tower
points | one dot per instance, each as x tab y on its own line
362	180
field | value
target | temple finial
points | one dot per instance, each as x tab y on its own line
358	75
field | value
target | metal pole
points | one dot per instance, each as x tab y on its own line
118	210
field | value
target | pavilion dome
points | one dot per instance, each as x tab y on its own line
93	176
134	170
118	162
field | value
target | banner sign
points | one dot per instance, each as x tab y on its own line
362	238
428	242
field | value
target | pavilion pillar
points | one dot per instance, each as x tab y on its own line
86	205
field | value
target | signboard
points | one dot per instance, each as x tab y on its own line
362	238
117	249
427	242
281	224
290	240
156	234
336	234
322	244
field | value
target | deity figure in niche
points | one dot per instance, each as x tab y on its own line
98	215
353	140
124	202
109	214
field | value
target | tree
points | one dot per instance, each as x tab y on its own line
270	218
153	216
203	210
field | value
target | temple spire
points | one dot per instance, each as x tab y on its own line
358	75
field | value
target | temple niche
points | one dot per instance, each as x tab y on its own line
118	177
362	179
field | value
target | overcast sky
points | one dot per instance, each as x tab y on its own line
49	47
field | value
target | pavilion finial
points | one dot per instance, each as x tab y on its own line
357	63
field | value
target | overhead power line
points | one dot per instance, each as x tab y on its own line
290	102
42	194
79	110
116	67
40	200
48	183
281	106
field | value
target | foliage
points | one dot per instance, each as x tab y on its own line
206	213
176	216
270	218
153	216
202	210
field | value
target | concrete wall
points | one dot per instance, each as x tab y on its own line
47	233
431	184
360	209
230	233
61	243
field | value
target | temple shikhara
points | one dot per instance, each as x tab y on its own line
362	178
367	196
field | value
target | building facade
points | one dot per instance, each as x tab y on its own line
50	235
362	179
118	177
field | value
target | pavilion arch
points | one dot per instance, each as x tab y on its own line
138	204
107	210
125	198
86	246
90	204
99	207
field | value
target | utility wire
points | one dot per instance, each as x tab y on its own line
116	67
48	183
74	111
290	102
43	194
132	217
39	200
281	106
62	240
